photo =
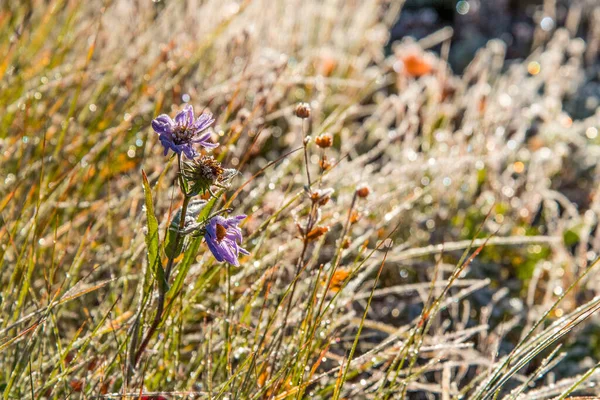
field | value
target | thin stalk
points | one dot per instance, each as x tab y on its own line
227	323
362	321
309	226
163	286
336	262
289	305
304	145
184	207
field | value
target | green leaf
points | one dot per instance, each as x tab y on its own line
173	243
192	249
152	235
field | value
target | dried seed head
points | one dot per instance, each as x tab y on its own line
202	172
324	200
324	140
325	163
210	167
303	110
346	243
317	233
363	191
321	196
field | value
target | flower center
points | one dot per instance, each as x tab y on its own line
182	135
221	232
212	168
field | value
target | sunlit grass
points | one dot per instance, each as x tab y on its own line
457	276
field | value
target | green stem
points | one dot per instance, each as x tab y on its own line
227	323
163	287
184	207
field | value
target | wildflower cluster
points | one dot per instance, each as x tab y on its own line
180	134
198	174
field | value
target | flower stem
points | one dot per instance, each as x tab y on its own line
227	322
184	207
304	144
163	286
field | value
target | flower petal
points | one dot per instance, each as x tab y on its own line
162	124
203	121
167	143
228	254
202	138
239	218
234	234
215	250
186	116
211	230
189	151
226	249
209	145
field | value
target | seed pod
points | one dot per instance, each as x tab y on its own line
363	191
317	233
201	173
354	217
321	196
303	110
325	163
324	140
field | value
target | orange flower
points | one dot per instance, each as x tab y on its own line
338	279
317	233
416	65
324	140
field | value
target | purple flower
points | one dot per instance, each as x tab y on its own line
179	134
222	237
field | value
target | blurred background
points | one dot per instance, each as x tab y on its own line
473	123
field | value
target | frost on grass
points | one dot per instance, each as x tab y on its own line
486	183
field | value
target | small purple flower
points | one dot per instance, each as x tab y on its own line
222	237
179	134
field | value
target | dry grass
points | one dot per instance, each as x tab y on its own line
457	277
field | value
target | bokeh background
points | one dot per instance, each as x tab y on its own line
473	123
